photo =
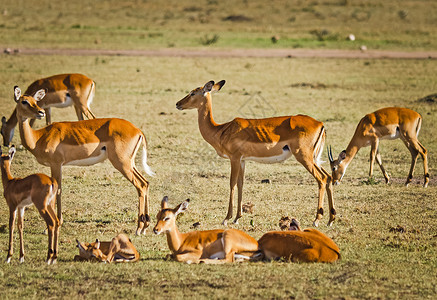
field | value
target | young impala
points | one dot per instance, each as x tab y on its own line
119	249
210	246
62	90
37	189
309	245
387	123
85	143
270	140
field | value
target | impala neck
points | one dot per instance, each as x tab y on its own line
351	151
13	120
207	126
29	137
6	174
174	239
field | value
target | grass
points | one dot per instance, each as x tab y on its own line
378	261
135	24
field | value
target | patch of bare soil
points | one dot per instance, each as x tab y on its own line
289	53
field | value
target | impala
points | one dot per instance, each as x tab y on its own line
210	246
62	90
119	249
85	143
37	189
309	245
270	140
387	123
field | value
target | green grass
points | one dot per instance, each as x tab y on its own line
395	24
377	262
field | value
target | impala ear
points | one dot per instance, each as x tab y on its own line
97	244
342	155
77	243
218	85
17	93
12	152
40	94
182	207
164	202
208	86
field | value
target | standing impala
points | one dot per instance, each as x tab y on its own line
208	246
62	90
387	123
85	143
270	140
37	189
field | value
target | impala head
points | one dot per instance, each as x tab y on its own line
6	159
27	106
166	218
198	96
90	250
7	133
338	166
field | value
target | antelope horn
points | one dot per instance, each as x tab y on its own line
331	159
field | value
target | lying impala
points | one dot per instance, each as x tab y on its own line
309	245
119	249
37	189
387	123
62	90
210	246
85	143
270	140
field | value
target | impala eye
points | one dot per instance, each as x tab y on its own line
166	219
334	169
25	102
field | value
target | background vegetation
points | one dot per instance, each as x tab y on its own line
137	24
387	234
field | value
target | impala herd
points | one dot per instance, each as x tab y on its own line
269	140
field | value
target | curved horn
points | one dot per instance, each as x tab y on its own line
331	159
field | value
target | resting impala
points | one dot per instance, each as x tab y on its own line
119	249
270	140
387	123
309	245
37	189
85	143
62	90
210	246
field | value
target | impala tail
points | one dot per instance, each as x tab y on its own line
146	167
318	147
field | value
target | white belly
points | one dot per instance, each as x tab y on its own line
68	102
270	159
218	255
89	161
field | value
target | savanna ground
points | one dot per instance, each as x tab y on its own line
387	234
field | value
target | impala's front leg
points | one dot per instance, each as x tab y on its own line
12	215
384	172
373	150
235	170
189	257
331	202
20	225
240	191
57	174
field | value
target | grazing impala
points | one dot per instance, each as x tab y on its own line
37	189
62	90
270	140
210	246
85	143
119	249
309	245
387	123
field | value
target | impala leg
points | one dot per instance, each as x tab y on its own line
79	112
379	161
12	215
373	150
240	182
113	248
189	257
55	221
50	230
57	174
48	111
235	170
331	202
423	152
20	225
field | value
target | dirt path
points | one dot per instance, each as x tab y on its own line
299	53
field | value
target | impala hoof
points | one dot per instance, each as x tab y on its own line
225	222
316	223
235	221
21	260
8	260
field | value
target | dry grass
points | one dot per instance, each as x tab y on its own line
378	261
